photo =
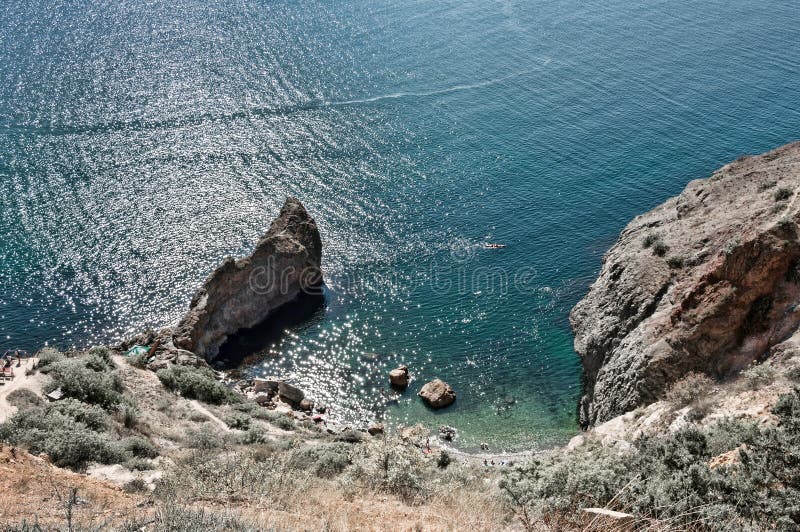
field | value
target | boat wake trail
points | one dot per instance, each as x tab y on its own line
422	94
201	118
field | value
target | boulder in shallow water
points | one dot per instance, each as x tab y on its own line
447	433
375	429
399	377
242	293
437	394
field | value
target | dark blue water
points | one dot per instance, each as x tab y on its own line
140	142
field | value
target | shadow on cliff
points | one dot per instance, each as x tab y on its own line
247	343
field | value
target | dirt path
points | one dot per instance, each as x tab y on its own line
206	412
20	381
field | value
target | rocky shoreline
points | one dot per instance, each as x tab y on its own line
708	283
704	283
241	294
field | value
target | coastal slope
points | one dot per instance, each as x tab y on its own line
707	282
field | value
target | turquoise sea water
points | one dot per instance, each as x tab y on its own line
140	142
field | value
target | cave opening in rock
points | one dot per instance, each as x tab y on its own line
257	340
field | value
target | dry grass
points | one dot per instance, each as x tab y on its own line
250	474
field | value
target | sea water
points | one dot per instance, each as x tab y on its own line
141	142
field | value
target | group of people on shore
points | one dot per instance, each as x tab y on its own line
7	362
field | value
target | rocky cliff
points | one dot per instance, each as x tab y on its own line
707	282
242	293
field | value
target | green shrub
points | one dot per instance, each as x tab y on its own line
47	357
782	194
396	467
198	417
786	223
136	485
197	383
72	433
732	245
277	419
81	382
247	407
252	436
238	420
444	460
138	361
675	262
203	439
794	374
688	390
99	359
649	240
137	447
128	414
326	460
164	404
94	417
758	376
66	440
766	185
139	464
668	478
284	422
23	398
349	436
660	249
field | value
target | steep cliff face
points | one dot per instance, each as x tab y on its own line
242	293
706	282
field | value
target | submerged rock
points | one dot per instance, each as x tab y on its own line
375	429
707	282
437	394
447	433
242	293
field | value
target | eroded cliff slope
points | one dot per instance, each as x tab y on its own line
706	282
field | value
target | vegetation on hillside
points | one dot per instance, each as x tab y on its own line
673	481
93	424
733	474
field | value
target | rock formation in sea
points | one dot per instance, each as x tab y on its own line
437	394
399	377
707	282
242	293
